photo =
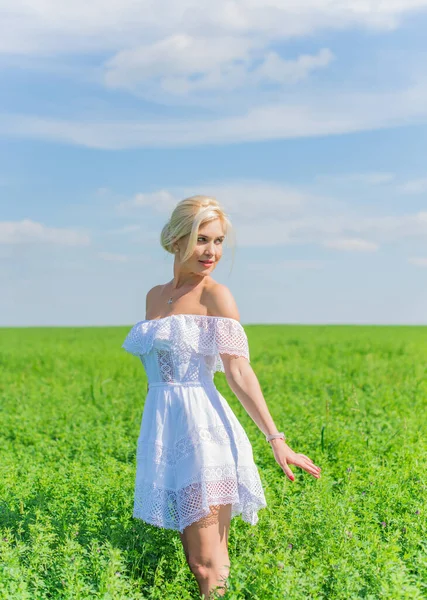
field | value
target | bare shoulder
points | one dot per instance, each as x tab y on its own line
152	296
220	301
154	291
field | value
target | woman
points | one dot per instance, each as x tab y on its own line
195	467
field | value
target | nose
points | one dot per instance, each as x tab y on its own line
210	251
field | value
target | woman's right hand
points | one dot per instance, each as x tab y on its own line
285	456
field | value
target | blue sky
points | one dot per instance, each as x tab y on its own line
307	121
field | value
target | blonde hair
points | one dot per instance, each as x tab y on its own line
188	215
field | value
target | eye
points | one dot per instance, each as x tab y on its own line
202	239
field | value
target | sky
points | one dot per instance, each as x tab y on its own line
306	120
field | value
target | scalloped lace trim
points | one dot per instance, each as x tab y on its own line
201	334
221	484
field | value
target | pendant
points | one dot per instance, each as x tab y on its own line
170	301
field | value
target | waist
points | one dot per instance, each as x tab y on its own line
204	383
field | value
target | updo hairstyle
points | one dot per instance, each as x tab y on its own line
188	215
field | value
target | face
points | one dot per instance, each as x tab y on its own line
209	246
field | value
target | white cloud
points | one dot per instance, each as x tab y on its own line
292	264
341	230
27	231
249	201
111	257
161	201
171	62
103	192
373	178
354	244
190	53
124	229
418	261
268	214
415	186
276	69
314	116
182	65
49	26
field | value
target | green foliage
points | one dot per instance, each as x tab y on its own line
351	398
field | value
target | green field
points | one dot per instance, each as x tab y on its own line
353	398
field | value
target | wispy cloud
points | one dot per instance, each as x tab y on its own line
292	264
190	55
27	231
415	186
313	116
43	27
418	261
373	178
269	214
354	245
161	201
182	65
247	199
124	229
111	257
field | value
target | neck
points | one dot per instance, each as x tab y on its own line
181	279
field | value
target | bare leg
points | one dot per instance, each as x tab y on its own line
206	549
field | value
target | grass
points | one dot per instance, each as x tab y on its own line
353	398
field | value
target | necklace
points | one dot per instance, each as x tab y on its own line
171	298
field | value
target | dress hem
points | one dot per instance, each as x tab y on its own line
247	508
253	520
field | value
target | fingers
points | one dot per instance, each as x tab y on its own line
308	465
288	471
315	471
306	457
304	462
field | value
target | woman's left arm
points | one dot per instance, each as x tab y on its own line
245	385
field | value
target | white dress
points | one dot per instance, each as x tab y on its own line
192	451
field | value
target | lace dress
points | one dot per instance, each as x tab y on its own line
192	451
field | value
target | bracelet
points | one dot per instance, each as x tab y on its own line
274	436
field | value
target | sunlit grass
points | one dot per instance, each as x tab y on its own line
352	398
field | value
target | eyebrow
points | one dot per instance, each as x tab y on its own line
206	236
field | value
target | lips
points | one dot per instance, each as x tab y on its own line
206	262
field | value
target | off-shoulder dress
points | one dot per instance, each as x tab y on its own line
192	451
